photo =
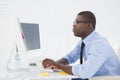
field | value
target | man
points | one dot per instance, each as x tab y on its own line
99	57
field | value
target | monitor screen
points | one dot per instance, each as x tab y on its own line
31	35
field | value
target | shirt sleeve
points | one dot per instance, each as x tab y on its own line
97	55
74	54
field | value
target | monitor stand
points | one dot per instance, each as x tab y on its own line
35	64
15	64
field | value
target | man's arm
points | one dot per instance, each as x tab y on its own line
56	65
65	68
63	61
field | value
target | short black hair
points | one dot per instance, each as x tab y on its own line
89	16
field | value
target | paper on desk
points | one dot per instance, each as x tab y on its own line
62	73
47	73
44	74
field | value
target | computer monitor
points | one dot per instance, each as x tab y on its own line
12	43
31	35
29	44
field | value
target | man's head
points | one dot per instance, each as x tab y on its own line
84	24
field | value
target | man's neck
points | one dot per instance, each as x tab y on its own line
87	34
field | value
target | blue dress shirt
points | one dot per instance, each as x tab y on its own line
99	58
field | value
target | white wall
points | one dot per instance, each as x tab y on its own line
55	18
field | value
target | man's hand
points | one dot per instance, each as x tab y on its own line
48	63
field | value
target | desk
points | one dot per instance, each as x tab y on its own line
35	75
15	72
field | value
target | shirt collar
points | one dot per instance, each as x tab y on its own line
89	37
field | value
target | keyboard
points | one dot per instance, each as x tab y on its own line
39	68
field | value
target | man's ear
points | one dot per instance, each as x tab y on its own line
89	25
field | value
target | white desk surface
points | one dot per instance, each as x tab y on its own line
35	75
31	73
27	74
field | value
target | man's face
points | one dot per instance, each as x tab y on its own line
80	26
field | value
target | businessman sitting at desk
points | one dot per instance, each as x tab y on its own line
99	57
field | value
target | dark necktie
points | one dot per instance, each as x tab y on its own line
81	53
